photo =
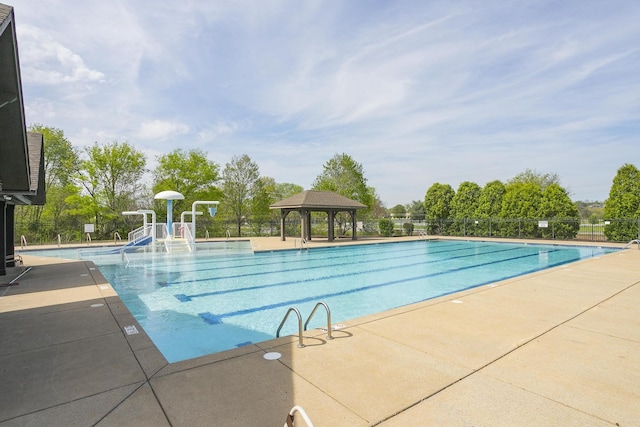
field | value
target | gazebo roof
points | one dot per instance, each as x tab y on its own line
312	199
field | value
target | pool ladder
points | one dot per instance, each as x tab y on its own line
300	328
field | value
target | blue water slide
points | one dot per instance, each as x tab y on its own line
129	247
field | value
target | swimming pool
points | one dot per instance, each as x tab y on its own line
226	296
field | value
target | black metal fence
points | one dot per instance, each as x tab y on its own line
615	230
618	230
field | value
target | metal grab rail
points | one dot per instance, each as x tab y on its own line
637	241
300	343
324	304
290	422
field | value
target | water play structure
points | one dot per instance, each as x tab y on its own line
167	237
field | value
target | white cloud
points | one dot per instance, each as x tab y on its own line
45	61
161	130
220	129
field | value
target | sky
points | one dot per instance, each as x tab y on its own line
417	92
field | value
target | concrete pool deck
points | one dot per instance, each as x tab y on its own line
557	347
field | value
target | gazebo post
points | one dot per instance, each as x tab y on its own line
353	225
283	215
331	221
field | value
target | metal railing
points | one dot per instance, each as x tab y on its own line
290	417
329	337
295	310
300	327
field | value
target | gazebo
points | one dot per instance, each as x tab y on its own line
316	201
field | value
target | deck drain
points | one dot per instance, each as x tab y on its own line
456	301
274	355
96	305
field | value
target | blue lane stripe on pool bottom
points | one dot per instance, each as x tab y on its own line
306	267
188	298
213	319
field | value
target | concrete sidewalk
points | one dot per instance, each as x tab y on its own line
558	347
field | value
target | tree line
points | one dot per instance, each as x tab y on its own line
517	208
97	184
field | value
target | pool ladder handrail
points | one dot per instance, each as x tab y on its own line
324	304
300	328
286	316
636	241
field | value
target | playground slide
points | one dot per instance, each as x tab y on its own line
129	247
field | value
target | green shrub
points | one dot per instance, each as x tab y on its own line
408	228
385	226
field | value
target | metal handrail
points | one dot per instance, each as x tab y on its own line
300	343
302	412
637	241
329	337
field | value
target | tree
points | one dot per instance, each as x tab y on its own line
398	211
464	205
240	177
282	190
489	207
622	208
61	158
111	176
437	205
377	209
61	162
416	210
343	175
556	205
521	201
189	173
529	176
262	199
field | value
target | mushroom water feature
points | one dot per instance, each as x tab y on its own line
169	196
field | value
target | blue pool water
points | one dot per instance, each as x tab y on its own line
225	296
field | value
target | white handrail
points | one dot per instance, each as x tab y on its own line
88	239
290	421
23	241
186	232
59	240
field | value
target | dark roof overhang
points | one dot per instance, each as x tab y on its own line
14	162
21	153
